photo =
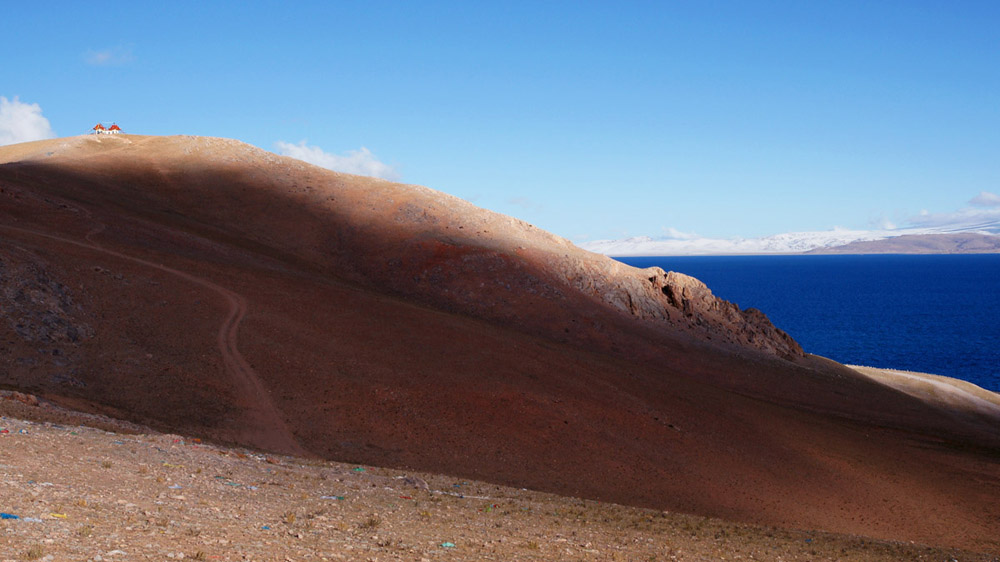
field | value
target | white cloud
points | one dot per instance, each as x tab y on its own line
986	199
982	215
968	219
114	56
671	233
22	122
360	162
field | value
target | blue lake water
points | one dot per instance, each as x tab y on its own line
930	313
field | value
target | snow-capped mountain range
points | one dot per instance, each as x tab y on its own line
787	243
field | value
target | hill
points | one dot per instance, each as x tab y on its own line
205	287
956	243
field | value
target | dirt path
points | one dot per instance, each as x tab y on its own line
273	433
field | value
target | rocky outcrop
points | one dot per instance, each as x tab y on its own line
688	304
718	317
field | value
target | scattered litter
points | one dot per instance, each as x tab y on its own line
175	487
358	469
265	527
405	497
448	545
234	484
117	442
31	519
9	516
332	497
59	515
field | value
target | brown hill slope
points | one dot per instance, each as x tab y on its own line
207	287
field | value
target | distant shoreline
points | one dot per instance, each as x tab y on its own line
969	242
809	253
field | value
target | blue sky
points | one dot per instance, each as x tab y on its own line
591	120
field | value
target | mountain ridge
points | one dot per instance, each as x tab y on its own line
910	240
953	243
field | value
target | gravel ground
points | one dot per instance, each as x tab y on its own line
82	493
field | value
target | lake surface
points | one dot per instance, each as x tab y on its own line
930	313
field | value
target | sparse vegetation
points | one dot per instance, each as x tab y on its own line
34	553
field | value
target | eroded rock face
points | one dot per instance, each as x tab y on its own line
687	303
749	327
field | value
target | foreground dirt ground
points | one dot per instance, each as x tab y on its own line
111	492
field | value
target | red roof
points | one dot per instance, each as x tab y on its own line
99	127
114	127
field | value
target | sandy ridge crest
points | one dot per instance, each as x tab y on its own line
938	390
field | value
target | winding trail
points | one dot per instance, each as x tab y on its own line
274	433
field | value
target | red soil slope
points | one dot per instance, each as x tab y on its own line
207	287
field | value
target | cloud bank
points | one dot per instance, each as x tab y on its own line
22	122
982	215
985	199
360	162
671	233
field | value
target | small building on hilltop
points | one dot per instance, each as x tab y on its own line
100	129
